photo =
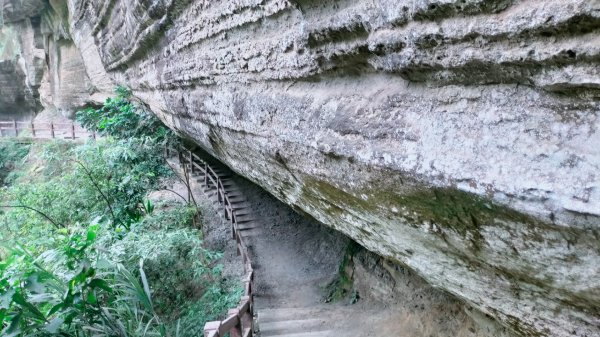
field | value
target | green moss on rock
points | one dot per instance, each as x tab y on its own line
450	209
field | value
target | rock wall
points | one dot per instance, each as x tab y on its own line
19	74
457	137
40	66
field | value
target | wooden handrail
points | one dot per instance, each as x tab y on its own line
43	130
239	321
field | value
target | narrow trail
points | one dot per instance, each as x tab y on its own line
295	258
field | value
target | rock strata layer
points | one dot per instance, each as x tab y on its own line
457	137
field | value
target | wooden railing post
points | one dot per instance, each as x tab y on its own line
233	224
247	316
52	129
237	330
206	174
32	129
211	329
219	189
73	130
15	127
191	161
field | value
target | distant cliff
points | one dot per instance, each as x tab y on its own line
458	137
40	66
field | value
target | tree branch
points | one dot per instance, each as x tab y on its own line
56	224
89	174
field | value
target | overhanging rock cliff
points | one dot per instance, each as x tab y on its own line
459	138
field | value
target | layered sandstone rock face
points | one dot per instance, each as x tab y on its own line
457	137
21	61
40	66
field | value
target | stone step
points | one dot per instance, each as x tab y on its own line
225	180
245	220
286	314
236	197
243	212
239	201
247	227
324	333
239	204
279	328
235	193
251	232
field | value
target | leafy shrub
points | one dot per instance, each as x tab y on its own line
108	178
67	291
193	293
86	254
11	153
121	118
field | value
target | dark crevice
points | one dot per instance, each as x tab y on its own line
356	31
437	11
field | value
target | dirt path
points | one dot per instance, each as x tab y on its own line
295	257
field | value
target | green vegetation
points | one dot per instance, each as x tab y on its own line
121	118
11	153
342	287
84	253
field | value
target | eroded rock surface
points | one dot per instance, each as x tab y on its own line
19	75
40	66
457	137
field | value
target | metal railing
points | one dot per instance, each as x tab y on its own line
44	130
239	321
